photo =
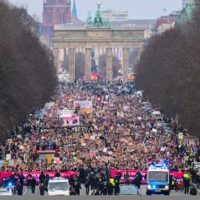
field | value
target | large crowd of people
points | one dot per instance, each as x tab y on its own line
120	132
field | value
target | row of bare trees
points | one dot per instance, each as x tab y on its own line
27	74
169	72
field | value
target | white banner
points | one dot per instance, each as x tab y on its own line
8	156
11	162
83	104
1	163
66	113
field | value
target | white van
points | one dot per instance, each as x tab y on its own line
158	180
58	186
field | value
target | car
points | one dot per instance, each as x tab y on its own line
58	187
128	189
5	192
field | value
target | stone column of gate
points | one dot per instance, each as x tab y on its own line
139	53
55	57
88	63
109	64
125	64
72	64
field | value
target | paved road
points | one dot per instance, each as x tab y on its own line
173	193
27	192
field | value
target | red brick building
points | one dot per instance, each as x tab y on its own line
55	12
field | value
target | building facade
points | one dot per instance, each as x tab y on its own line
115	15
55	12
165	23
99	37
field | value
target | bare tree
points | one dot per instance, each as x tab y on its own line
27	72
169	71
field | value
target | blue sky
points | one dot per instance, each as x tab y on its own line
138	9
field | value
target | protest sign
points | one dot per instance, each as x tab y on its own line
71	121
85	106
11	162
8	156
1	163
66	113
57	161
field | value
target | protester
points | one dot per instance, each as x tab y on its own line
19	188
42	189
138	179
117	183
87	184
47	178
33	185
126	178
118	131
28	180
57	174
21	178
77	186
110	186
42	177
186	181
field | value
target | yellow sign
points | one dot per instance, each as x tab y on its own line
5	163
49	159
87	110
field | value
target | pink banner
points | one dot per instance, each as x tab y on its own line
36	174
4	175
113	173
177	175
71	121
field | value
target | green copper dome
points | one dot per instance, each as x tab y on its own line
98	21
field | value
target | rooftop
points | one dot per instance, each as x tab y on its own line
85	27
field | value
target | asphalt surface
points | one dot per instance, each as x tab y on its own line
27	192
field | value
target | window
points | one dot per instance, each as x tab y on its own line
59	186
158	176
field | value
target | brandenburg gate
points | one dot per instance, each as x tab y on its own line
97	35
